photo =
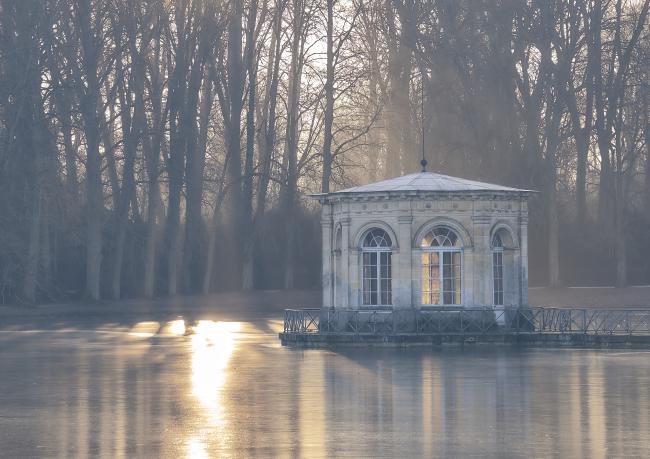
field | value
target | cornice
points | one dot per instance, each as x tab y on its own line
427	195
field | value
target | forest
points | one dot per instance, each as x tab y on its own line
166	147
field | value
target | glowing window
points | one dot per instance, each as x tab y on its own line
441	267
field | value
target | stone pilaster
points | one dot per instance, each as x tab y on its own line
482	261
403	275
347	287
523	257
327	272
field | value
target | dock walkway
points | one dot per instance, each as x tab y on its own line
582	327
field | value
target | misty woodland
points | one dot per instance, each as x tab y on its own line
163	147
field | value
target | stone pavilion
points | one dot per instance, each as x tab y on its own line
425	240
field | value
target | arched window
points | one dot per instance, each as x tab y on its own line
497	269
441	266
377	276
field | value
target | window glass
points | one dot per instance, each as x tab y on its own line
440	236
377	268
497	266
441	267
497	273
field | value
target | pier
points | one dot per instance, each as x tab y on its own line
533	326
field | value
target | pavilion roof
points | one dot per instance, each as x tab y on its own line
427	181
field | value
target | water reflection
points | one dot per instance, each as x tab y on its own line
176	327
220	389
212	344
145	329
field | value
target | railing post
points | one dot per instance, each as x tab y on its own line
356	320
462	329
518	313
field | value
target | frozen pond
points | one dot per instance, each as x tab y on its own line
229	389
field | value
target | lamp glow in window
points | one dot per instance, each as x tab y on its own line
441	267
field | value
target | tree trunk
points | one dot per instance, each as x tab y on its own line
373	104
90	115
152	147
33	246
234	203
94	209
194	234
121	226
132	127
248	261
553	238
62	98
29	139
174	233
603	137
195	163
620	249
268	134
398	104
176	164
107	137
647	169
582	135
266	147
329	101
45	258
125	195
291	144
209	258
212	238
553	220
153	203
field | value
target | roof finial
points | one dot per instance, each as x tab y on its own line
423	163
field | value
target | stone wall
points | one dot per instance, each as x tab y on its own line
406	218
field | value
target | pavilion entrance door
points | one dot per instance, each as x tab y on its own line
377	278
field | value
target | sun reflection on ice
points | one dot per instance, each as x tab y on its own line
196	449
177	327
145	329
212	345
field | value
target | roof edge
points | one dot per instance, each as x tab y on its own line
327	197
429	181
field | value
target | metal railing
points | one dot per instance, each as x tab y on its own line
301	321
586	321
466	321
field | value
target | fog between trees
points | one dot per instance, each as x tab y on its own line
161	147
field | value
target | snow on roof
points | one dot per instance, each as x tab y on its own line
426	181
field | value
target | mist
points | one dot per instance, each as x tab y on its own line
157	148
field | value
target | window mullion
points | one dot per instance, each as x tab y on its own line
378	259
429	283
441	277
